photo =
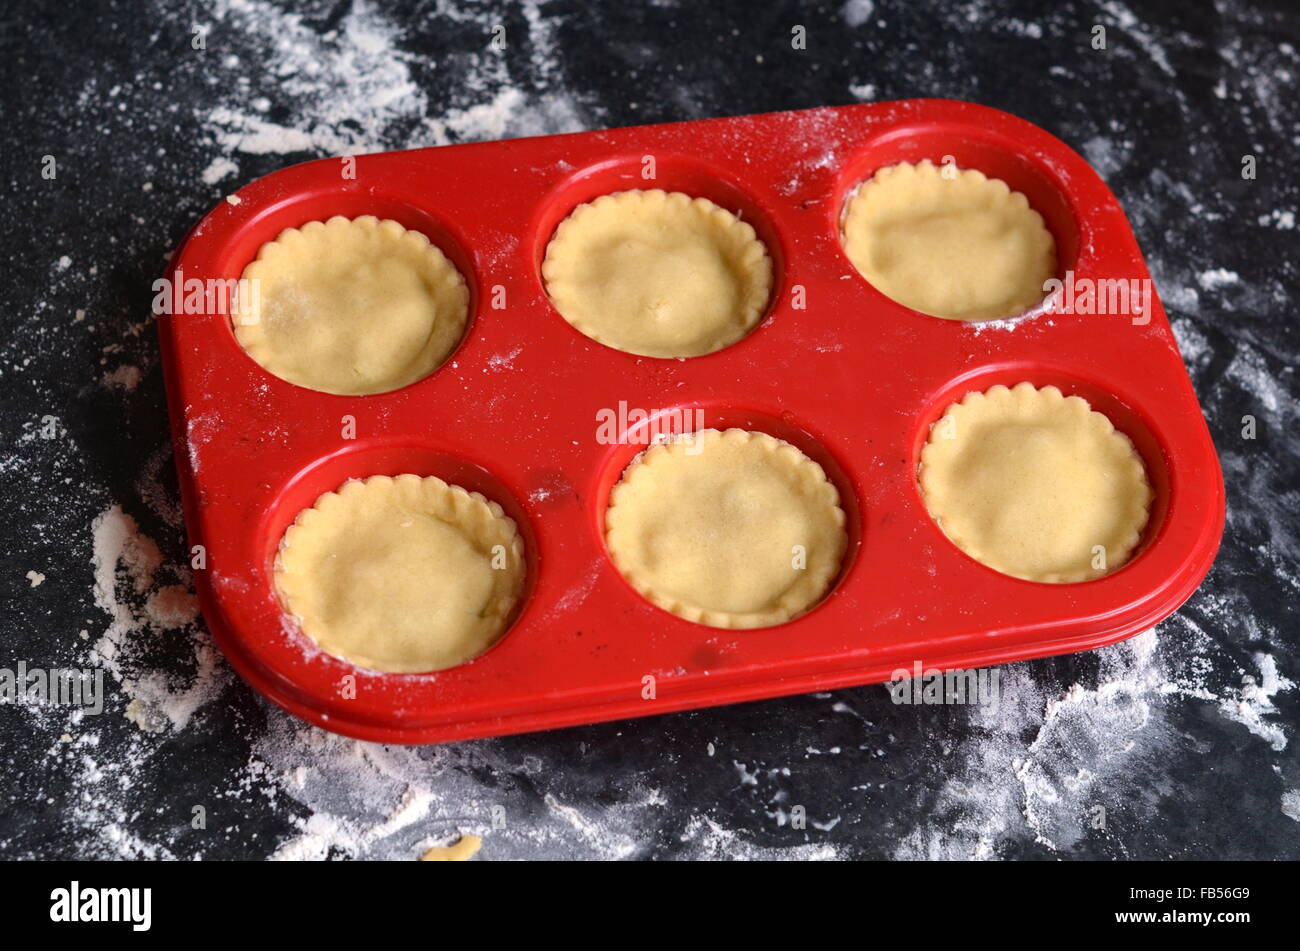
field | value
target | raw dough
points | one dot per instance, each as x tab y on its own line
711	528
353	306
964	247
1028	481
465	848
658	274
402	575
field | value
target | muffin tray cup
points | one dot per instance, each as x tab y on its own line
850	377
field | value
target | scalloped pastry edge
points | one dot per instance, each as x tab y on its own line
483	520
809	471
1138	508
748	252
858	206
251	336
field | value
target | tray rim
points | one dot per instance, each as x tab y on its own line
672	698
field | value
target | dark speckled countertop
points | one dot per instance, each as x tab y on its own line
1184	738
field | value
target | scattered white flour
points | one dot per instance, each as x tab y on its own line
256	136
978	327
709	840
857	12
145	601
352	90
221	167
1108	154
1216	278
1283	219
1141	35
503	361
1079	763
1291	804
1193	344
1041	763
1249	370
1254	701
149	486
372	801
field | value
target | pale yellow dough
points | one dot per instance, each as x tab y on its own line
963	247
731	529
353	306
1029	482
402	575
658	273
465	848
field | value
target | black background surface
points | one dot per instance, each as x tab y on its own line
117	94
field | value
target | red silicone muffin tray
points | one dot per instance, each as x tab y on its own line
851	378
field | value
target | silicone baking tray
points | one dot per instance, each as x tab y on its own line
851	378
